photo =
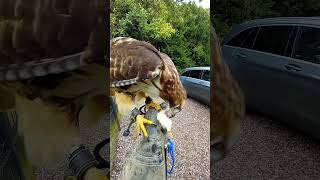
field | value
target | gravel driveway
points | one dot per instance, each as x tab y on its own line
268	149
191	135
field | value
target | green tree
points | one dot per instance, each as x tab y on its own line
296	8
226	13
178	29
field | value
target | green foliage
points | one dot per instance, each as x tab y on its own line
226	13
178	29
297	8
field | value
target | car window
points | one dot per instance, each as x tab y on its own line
273	39
195	74
244	39
206	75
307	45
292	38
185	73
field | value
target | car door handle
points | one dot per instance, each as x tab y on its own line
241	55
292	67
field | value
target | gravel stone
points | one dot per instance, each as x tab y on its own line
268	149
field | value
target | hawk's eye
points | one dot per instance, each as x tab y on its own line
176	110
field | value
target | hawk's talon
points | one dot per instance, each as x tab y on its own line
170	134
141	121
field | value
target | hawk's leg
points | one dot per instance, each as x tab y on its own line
141	121
149	103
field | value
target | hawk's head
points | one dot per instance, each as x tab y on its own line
172	88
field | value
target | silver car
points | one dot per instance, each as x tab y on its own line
196	81
277	64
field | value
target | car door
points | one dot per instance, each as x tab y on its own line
204	87
240	45
259	66
183	77
304	89
193	82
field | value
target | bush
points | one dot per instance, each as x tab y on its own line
180	30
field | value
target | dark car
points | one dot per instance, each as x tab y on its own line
277	64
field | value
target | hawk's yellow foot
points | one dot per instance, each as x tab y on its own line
141	121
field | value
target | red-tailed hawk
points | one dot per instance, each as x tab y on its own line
138	69
52	62
227	103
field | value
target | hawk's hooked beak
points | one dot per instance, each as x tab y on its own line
221	145
217	150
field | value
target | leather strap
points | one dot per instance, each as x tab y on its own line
80	160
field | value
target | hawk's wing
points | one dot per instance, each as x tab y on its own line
53	39
132	60
43	37
227	100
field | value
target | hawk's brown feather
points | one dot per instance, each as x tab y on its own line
41	42
172	88
227	99
130	58
139	61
